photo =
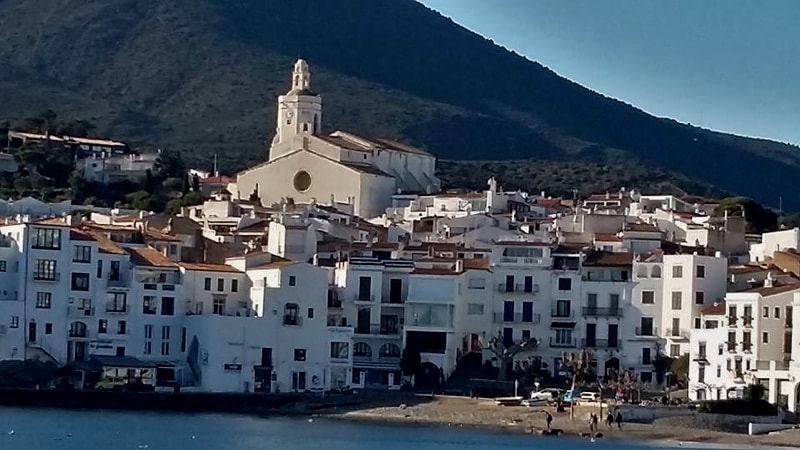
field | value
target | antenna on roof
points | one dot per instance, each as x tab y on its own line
216	172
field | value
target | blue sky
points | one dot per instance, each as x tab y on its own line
729	65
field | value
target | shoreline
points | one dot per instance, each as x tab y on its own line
484	415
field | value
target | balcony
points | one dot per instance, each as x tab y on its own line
700	357
116	308
562	313
601	343
563	343
518	288
646	332
359	299
646	361
117	282
732	321
747	322
730	347
79	311
524	261
772	365
291	320
47	277
593	311
517	318
388	302
788	323
377	330
747	347
678	334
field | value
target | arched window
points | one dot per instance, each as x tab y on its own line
362	350
78	329
656	272
389	351
291	314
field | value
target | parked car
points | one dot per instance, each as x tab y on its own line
110	384
547	394
589	396
569	397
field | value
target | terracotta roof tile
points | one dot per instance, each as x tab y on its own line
205	267
422	271
477	264
148	256
522	244
275	264
607	237
78	235
609	259
641	227
104	244
774	290
717	309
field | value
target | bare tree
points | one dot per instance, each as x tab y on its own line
506	351
578	365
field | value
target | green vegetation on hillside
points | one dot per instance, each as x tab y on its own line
202	77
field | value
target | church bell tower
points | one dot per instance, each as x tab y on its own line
299	112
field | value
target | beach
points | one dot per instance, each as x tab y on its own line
484	413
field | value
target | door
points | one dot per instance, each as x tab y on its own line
80	351
364	315
299	381
528	284
509	283
508	337
613	335
365	289
527	311
32	332
508	311
591	334
614	303
395	290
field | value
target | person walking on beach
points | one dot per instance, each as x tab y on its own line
548	419
610	419
619	419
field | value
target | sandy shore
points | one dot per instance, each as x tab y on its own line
483	413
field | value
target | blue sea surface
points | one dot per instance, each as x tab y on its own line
27	429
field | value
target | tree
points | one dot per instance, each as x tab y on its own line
410	361
679	367
170	164
760	218
506	351
578	366
185	186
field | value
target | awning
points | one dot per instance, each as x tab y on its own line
121	361
562	325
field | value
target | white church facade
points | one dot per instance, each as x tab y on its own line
339	168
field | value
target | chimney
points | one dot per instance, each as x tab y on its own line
768	282
459	265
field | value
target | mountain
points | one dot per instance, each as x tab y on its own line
202	76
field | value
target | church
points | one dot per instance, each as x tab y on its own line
347	171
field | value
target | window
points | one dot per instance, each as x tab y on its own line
173	250
122	327
80	281
99	268
765	337
362	350
219	306
389	351
149	305
44	300
677	299
648	297
777	312
340	350
697	322
165	348
167	306
564	284
646	328
220	284
117	302
207	284
148	332
3	265
290	314
527	311
526	335
14	322
310	314
675	350
474	308
46	238
120	351
148	348
719	371
656	272
677	271
477	283
699	297
45	270
292	280
183	339
102	326
48	328
765	312
299	354
701	271
113	271
81	254
234	285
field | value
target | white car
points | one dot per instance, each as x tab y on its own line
589	396
545	395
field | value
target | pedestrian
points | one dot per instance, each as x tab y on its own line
548	419
610	419
619	419
591	423
595	421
